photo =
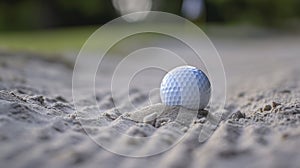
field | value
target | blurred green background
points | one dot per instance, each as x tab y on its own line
58	25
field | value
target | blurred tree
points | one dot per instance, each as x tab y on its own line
33	14
263	12
170	6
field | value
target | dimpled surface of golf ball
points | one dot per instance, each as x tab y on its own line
185	86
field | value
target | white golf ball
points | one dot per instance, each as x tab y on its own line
185	86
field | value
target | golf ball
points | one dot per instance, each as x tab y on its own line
185	86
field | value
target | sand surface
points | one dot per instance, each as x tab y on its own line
39	126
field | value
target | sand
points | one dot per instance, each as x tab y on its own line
39	126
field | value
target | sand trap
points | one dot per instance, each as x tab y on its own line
39	126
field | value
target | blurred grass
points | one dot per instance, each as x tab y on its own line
53	41
56	41
64	40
